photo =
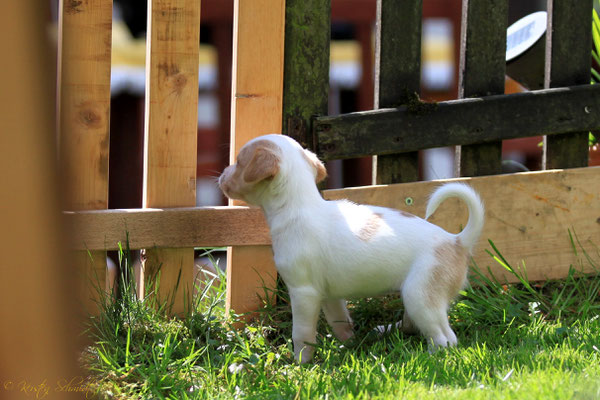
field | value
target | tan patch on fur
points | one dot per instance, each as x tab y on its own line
449	274
312	160
263	161
406	214
370	228
255	162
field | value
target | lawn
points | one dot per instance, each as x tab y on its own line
525	341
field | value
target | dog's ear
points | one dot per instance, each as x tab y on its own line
317	164
264	164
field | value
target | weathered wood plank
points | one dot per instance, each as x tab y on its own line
258	66
527	220
172	227
466	121
306	66
568	62
84	93
171	132
397	76
482	68
84	120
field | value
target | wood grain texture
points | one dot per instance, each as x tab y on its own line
568	62
84	118
306	66
173	227
482	68
397	76
257	84
171	131
84	122
258	40
40	310
528	216
252	276
171	104
466	121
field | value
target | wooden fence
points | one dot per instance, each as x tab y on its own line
280	84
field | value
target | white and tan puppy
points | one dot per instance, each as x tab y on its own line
328	251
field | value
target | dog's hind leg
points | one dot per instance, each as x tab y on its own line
337	316
306	304
427	307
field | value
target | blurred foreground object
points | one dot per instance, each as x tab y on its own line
38	339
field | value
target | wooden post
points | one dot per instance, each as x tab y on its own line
306	80
39	312
84	120
568	62
397	77
482	69
171	134
257	88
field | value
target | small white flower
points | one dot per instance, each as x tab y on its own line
235	368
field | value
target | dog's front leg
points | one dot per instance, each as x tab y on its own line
338	318
306	304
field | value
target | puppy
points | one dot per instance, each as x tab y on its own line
329	251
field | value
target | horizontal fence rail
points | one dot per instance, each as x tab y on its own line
458	122
529	219
165	228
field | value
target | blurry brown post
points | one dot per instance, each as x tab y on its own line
38	336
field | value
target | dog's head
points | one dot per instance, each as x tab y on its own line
267	165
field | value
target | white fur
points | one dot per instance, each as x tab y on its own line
472	231
321	256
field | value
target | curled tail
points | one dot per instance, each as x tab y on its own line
470	234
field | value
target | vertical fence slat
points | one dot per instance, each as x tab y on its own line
84	120
256	110
397	76
171	133
306	66
40	322
482	69
568	62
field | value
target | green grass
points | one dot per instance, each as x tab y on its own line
525	341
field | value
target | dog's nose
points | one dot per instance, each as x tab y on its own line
223	185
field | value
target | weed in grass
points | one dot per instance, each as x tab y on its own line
525	340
